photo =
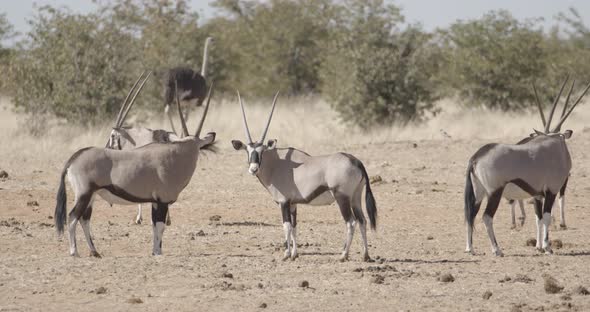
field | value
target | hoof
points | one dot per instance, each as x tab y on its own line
286	257
75	254
168	222
513	227
294	256
138	221
366	258
548	251
563	226
469	251
498	253
343	258
95	254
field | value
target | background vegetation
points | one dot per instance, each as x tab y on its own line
359	55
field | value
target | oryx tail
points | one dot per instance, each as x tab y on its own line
60	207
370	204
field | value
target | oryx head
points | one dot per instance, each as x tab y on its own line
556	131
256	149
119	136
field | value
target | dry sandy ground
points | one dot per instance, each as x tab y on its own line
420	237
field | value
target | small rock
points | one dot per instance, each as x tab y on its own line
581	290
385	164
414	145
429	237
566	297
33	203
215	218
531	242
3	174
304	284
134	300
227	275
522	278
377	279
487	295
551	286
375	179
100	290
505	279
263	305
556	243
446	278
260	285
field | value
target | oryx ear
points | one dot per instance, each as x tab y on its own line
238	145
271	144
568	134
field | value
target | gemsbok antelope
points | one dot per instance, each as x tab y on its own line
538	168
509	187
187	84
123	138
294	177
155	173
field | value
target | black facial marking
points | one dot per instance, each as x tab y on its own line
254	157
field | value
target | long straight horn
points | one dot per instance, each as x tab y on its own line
274	102
122	109
244	118
571	109
567	100
555	105
133	98
205	57
539	106
182	121
209	94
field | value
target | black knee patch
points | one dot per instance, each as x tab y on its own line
345	207
159	212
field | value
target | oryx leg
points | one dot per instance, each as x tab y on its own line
548	205
138	218
488	219
512	203
344	203
168	221
167	112
360	218
159	211
562	206
539	219
85	223
294	253
479	196
287	227
522	217
74	216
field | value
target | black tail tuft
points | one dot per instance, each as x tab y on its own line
471	208
370	203
60	207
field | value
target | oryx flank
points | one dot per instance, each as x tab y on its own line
155	173
294	177
188	85
538	168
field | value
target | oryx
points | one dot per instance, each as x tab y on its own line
155	173
539	168
294	177
510	187
122	137
187	84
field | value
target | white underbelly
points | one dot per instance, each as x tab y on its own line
113	199
512	191
325	198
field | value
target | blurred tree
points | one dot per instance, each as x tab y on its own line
494	60
375	73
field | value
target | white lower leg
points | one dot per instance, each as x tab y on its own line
562	211
546	223
489	223
363	229
138	218
349	235
72	237
158	233
86	227
539	232
287	231
522	213
513	213
294	239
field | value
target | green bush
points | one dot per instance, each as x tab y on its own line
494	60
373	72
